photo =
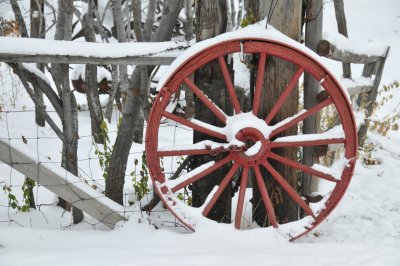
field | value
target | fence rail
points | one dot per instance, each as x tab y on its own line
66	185
374	62
49	51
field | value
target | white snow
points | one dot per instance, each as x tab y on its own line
334	133
253	150
360	81
34	70
184	177
241	121
242	73
336	173
372	48
288	119
207	126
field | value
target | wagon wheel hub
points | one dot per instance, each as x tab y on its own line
256	147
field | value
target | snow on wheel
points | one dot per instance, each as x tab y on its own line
248	142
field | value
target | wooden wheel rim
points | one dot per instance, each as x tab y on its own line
271	48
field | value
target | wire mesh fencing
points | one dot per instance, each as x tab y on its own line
26	198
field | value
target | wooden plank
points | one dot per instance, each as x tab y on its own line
313	34
65	59
358	86
330	50
353	91
65	185
342	28
69	52
286	17
372	97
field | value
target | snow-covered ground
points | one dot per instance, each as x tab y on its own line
363	230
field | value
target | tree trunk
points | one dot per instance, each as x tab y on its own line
286	17
113	92
92	93
137	19
129	123
189	96
189	20
70	126
232	16
121	35
314	18
119	72
211	20
37	26
240	13
148	27
137	26
70	115
19	18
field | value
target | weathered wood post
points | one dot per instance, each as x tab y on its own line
285	15
342	28
313	34
211	21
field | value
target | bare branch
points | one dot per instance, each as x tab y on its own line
38	82
19	18
38	104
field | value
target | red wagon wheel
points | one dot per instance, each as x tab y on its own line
243	127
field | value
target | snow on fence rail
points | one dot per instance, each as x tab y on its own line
50	51
365	88
339	48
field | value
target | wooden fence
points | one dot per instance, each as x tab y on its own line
363	93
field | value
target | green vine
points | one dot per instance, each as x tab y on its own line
26	202
248	19
104	155
140	185
185	196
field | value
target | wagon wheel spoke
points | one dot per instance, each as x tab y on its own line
183	152
265	197
194	126
304	143
229	85
259	83
289	88
242	193
227	179
288	123
285	185
207	101
202	174
167	153
302	167
200	148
